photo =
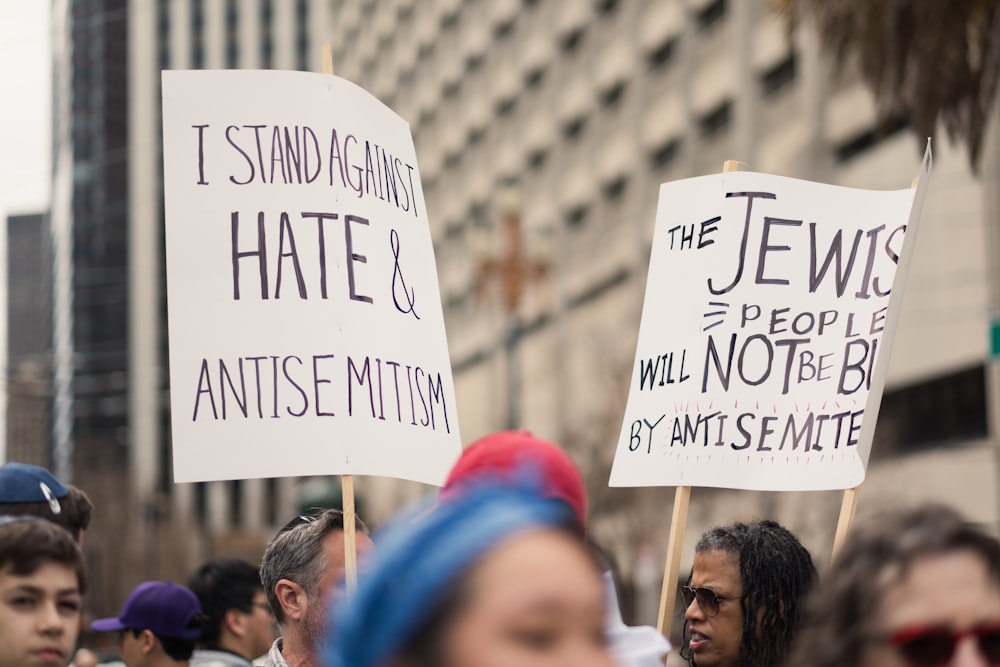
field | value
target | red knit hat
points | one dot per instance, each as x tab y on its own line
507	452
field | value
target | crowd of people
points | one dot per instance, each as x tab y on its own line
498	571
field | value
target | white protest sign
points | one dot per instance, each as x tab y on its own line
769	309
306	329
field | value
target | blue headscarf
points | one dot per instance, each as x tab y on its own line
418	558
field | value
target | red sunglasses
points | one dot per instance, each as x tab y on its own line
933	646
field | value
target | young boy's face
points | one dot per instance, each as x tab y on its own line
39	616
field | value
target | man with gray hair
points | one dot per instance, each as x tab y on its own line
299	569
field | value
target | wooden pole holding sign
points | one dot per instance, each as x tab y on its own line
673	564
847	506
346	481
678	522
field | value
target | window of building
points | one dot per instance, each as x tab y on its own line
870	138
576	217
267	34
475	136
533	79
236	503
506	106
946	409
302	35
474	61
607	7
163	34
505	28
232	41
611	96
426	117
614	190
450	20
574	127
197	34
778	76
536	158
572	41
200	502
662	54
716	119
711	15
271	501
665	153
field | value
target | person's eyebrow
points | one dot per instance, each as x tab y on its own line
38	590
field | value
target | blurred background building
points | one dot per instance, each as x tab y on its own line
543	130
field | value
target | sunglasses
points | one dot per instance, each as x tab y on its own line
708	600
924	646
311	515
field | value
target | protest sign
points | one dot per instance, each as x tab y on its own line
762	351
306	329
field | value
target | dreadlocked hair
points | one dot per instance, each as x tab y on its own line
777	575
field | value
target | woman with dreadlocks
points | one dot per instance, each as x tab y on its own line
744	598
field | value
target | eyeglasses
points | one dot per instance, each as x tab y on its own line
708	600
924	646
262	605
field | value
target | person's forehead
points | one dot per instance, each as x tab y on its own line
51	576
715	567
953	588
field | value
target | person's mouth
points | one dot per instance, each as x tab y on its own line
697	641
50	654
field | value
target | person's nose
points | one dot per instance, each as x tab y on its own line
694	611
49	619
967	654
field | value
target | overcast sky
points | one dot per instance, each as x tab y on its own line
25	105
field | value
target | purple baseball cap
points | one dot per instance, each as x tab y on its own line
165	608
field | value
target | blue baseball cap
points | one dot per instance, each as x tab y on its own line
26	483
163	607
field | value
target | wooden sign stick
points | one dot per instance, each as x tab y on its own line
847	506
346	481
678	522
672	567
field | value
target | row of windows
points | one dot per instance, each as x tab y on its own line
232	39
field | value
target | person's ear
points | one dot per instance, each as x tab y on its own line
234	621
292	598
147	642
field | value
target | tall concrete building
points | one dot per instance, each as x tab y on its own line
543	131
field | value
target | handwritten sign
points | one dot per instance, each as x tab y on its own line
769	308
306	330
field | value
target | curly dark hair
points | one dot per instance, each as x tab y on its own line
777	573
876	557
